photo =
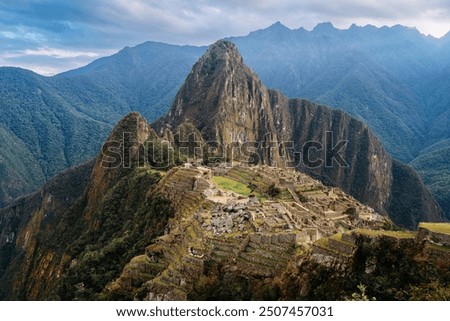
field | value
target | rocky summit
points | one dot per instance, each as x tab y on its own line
217	201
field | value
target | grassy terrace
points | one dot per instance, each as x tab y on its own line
437	247
396	234
436	227
338	237
229	184
322	242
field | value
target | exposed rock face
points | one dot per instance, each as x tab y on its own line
366	170
230	106
227	103
410	199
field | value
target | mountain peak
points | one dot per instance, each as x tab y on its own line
119	155
221	45
274	31
134	124
324	27
219	53
217	75
278	26
224	100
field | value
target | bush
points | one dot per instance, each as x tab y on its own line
273	191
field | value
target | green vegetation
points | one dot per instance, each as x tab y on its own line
214	285
381	268
51	123
396	234
124	224
337	237
438	247
436	227
273	191
433	291
322	242
435	172
45	131
361	294
229	184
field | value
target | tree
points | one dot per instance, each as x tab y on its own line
273	191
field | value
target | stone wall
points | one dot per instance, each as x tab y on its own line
342	246
276	239
435	237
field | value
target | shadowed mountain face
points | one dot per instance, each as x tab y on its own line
230	106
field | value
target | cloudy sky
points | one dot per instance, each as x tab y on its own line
50	36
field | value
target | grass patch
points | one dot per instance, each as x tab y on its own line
229	184
396	234
437	247
338	237
285	195
322	242
436	227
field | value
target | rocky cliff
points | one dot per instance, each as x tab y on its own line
228	104
232	109
23	225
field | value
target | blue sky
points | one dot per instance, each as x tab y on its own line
50	36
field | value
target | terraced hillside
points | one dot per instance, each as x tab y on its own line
383	265
226	231
220	226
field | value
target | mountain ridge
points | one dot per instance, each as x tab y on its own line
292	64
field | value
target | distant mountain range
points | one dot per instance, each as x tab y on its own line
159	215
395	79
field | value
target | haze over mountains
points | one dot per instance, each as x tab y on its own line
395	79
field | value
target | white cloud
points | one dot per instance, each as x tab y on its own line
86	29
22	33
56	53
50	61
